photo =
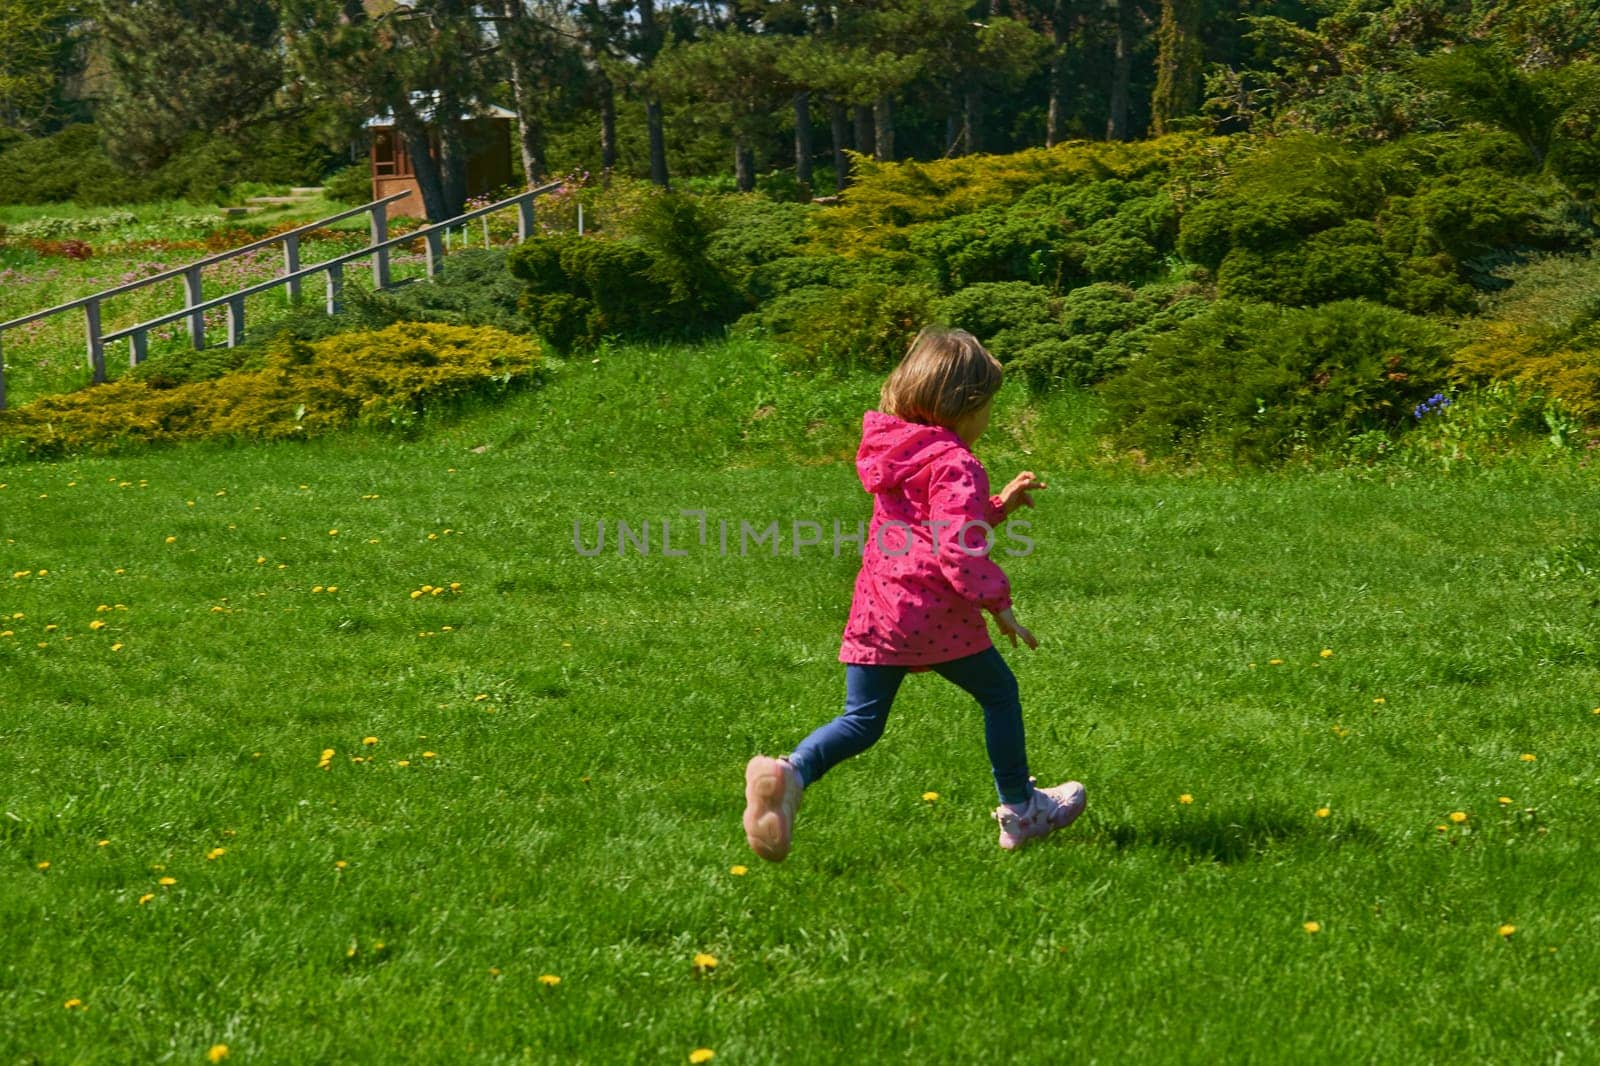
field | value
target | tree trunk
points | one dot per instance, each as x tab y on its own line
530	125
883	128
972	119
1177	91
803	149
1056	123
658	142
864	134
839	129
1121	73
453	152
608	128
744	168
953	134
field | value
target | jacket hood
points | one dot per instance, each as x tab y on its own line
893	450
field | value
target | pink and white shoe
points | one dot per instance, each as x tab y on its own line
772	790
1048	809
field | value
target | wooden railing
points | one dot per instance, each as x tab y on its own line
194	308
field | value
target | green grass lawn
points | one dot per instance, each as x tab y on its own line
556	779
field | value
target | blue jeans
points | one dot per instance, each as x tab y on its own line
870	691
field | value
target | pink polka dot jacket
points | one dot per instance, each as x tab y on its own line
923	586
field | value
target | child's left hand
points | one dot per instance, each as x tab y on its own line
1019	491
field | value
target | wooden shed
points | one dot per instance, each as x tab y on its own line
488	165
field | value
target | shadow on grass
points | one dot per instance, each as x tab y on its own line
1233	836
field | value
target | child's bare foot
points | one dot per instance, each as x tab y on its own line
772	790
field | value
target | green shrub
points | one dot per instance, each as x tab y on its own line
350	185
868	326
661	282
395	376
1341	263
989	308
1260	383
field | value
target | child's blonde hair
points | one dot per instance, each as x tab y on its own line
946	374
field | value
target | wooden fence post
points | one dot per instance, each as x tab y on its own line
435	250
191	296
380	258
97	347
291	264
236	321
335	286
524	219
138	347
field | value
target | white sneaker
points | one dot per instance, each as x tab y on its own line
1048	809
772	790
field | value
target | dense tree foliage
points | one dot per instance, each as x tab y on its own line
664	88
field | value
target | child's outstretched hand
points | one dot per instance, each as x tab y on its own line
1019	491
1012	628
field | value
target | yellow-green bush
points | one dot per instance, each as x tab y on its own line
392	376
1542	332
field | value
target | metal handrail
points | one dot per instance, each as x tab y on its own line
200	264
334	268
194	309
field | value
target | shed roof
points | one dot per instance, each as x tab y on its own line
425	102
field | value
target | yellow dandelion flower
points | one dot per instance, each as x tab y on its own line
1274	662
447	629
1312	927
403	762
415	593
101	843
216	853
1323	812
1458	817
455	586
930	796
44	865
217	1053
51	628
702	1054
1379	699
1505	801
316	588
333	532
437	592
1529	756
1442	828
1507	930
340	865
102	608
146	898
7	633
480	697
172	540
42	573
433	536
369	741
168	881
116	647
97	625
427	755
702	961
73	1002
1327	653
494	971
549	980
1186	798
738	871
333	588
